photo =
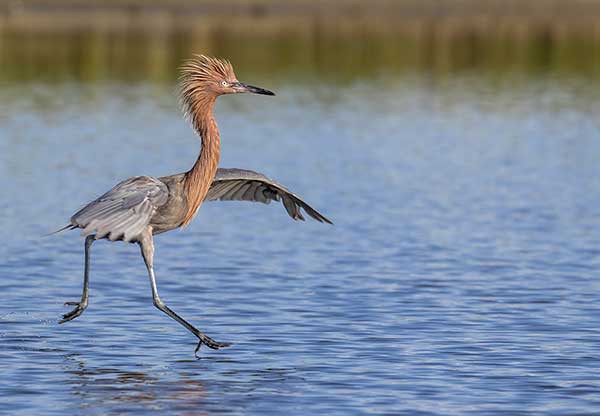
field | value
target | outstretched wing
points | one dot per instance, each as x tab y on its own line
246	185
123	212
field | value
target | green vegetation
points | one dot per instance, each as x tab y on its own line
348	39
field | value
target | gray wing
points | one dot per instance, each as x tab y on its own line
125	211
246	185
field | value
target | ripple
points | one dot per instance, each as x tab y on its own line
459	277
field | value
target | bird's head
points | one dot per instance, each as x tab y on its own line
212	77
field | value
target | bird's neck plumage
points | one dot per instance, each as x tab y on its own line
199	178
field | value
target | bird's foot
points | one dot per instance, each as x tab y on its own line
210	343
80	307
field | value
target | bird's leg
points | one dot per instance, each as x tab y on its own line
147	248
83	303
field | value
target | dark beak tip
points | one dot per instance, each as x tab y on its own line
262	91
255	90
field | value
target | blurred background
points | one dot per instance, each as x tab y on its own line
454	144
344	39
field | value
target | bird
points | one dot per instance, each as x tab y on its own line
138	208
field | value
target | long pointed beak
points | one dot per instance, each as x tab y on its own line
241	87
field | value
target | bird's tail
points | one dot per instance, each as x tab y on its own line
66	227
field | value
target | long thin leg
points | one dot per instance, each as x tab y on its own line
83	303
147	248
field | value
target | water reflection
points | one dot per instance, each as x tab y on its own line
99	387
177	386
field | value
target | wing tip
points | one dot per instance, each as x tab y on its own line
326	220
66	227
321	218
315	214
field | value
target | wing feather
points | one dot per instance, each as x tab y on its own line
240	191
250	191
125	211
259	195
247	185
228	187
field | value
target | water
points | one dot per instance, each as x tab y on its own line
460	276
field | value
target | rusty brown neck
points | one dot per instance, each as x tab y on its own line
199	178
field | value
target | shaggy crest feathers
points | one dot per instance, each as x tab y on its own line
197	82
205	68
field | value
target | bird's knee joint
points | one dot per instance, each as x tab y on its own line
158	303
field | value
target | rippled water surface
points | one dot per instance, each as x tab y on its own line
460	277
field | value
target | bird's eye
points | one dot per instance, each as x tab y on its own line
223	83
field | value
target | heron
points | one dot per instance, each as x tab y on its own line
140	207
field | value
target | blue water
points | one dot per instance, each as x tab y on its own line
460	277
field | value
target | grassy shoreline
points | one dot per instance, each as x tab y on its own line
149	38
267	17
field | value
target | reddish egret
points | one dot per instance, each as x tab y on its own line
139	207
